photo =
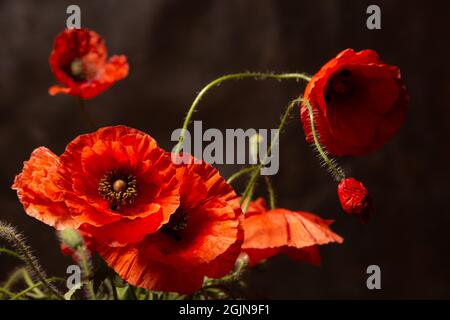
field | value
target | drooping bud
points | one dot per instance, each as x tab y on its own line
355	199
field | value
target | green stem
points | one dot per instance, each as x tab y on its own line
331	164
29	282
241	173
271	191
283	122
237	76
10	234
249	197
85	115
7	292
15	276
248	192
21	293
84	261
12	253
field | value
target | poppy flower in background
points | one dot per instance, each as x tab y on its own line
359	103
79	62
279	231
355	199
115	184
202	238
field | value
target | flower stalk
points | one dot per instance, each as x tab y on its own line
8	233
236	76
331	164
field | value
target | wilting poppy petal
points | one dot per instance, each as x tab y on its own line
270	232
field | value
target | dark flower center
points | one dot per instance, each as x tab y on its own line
177	223
118	187
76	70
339	86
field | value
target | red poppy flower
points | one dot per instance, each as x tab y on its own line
294	233
79	61
115	184
202	238
359	103
355	199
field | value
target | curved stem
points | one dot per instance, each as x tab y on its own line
331	164
14	277
12	253
240	173
29	282
21	293
236	76
10	234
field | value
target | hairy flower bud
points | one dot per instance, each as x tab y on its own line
355	199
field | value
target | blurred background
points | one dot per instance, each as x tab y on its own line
175	47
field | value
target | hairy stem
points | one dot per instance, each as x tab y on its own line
85	263
11	235
332	166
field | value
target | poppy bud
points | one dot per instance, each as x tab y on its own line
355	199
72	240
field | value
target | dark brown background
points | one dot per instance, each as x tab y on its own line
176	47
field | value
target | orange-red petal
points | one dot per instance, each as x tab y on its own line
37	191
208	246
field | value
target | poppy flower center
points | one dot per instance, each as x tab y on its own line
76	70
177	223
118	187
339	86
